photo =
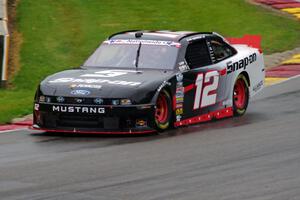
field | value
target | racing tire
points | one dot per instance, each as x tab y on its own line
163	111
240	96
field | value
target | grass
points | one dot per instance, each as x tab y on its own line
60	34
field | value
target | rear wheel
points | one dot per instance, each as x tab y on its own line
240	95
163	111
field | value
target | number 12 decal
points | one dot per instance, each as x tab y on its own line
205	91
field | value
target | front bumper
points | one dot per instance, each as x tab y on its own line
92	119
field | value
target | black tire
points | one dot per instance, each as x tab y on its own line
163	111
240	96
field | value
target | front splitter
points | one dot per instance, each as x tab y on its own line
108	132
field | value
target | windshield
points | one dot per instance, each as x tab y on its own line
123	54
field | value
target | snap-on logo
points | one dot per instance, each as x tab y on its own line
243	63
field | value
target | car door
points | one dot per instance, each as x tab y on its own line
205	82
222	54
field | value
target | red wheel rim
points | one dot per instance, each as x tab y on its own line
239	94
161	111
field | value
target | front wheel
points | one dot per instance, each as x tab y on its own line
240	96
163	111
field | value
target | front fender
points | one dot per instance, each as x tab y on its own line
165	85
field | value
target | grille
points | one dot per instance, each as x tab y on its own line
79	120
88	121
84	101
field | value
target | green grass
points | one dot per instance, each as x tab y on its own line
60	34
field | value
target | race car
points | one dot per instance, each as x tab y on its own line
149	81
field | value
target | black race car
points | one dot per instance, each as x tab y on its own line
144	81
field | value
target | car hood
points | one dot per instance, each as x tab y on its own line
105	83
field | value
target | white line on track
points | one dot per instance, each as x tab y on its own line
13	130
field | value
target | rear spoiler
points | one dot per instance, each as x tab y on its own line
250	40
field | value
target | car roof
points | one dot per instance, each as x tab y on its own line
175	36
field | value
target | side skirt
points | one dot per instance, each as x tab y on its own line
219	114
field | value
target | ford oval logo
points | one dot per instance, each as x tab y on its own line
80	92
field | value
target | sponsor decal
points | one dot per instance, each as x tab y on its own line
98	101
195	38
145	42
211	52
178	118
36	106
241	64
109	73
78	109
86	86
179	99
179	111
179	77
179	105
163	85
258	86
115	102
180	89
80	92
183	66
88	80
140	123
60	99
78	100
179	94
179	84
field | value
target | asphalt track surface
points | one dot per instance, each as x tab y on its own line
255	157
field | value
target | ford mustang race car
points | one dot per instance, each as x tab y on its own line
147	81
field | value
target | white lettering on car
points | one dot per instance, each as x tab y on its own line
77	109
108	73
79	80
